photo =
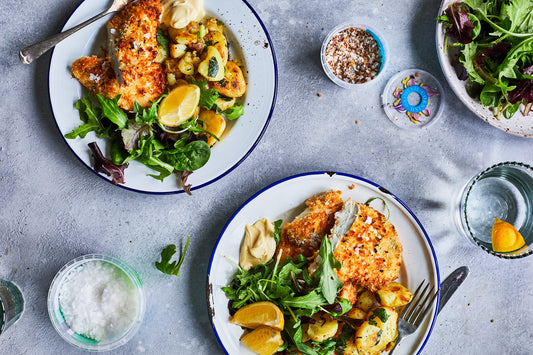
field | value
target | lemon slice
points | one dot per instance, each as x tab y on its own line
263	340
259	314
505	237
180	105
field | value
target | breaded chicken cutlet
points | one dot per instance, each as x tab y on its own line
132	39
370	253
304	234
364	242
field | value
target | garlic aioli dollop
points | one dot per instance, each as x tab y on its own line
178	13
258	246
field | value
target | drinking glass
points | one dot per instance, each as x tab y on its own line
503	191
11	304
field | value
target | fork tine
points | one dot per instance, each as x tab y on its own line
422	314
417	296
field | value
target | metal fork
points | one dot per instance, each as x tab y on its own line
414	312
29	54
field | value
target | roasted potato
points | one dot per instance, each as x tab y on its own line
378	331
224	103
393	295
212	67
214	25
177	50
324	327
368	338
233	84
357	313
218	40
188	62
182	36
366	301
216	124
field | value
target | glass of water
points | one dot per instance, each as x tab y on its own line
503	191
11	304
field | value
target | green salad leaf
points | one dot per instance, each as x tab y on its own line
495	43
171	268
298	294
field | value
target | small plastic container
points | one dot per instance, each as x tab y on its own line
383	52
58	320
413	99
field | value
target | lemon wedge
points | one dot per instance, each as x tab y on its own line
263	340
259	314
505	237
180	105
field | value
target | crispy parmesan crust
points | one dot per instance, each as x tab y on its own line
135	45
370	253
305	233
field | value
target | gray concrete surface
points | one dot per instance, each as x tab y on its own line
53	209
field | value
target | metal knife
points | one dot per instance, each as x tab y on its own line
450	285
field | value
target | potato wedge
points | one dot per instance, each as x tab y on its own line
393	295
213	123
233	84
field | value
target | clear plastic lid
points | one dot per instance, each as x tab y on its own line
413	98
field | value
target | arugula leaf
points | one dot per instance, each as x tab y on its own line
112	110
329	282
92	116
234	112
207	96
277	230
171	268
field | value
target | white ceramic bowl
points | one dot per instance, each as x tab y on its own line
518	124
382	49
58	321
249	42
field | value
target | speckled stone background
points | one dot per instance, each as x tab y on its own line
53	209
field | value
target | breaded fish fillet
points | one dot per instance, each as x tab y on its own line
370	253
133	48
304	234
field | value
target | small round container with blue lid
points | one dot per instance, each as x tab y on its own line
413	98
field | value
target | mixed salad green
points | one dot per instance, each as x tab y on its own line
298	294
138	135
495	42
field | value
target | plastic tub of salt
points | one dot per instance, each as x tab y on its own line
96	302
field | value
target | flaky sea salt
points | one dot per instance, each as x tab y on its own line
98	301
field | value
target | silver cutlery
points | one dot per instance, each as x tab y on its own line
29	54
414	313
450	285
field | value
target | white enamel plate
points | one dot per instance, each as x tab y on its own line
518	124
285	199
249	42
